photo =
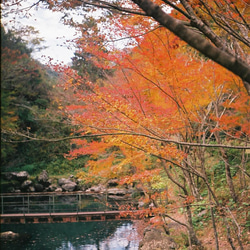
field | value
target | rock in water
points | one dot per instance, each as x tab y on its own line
9	235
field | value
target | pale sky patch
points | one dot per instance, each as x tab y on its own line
51	29
57	35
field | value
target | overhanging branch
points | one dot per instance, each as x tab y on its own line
198	42
30	138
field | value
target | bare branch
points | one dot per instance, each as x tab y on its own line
122	134
111	7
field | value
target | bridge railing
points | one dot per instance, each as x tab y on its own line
60	203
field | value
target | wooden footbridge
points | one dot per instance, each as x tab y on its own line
63	207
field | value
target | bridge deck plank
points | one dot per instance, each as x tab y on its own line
65	214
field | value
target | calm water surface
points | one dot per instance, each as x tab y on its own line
111	235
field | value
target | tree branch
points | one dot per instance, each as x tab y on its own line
110	6
122	134
232	63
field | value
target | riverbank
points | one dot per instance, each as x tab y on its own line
21	182
116	192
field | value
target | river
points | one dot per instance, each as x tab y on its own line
103	235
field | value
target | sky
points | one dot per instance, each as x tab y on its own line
51	29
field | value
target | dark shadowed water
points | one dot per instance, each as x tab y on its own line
103	235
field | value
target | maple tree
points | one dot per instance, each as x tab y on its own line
218	29
157	125
145	112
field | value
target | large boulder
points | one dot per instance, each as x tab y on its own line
31	189
18	176
26	185
51	188
22	176
69	187
43	179
38	187
59	190
155	238
63	181
96	189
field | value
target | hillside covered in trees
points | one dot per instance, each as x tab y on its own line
168	113
30	108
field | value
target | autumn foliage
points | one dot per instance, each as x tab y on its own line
161	117
158	114
155	119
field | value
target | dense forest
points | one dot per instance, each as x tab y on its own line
168	113
30	108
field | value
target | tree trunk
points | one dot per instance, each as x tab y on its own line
214	225
243	170
197	41
229	238
202	159
228	175
227	169
192	234
191	231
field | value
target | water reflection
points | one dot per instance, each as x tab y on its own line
111	235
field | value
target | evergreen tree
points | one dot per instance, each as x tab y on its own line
29	108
